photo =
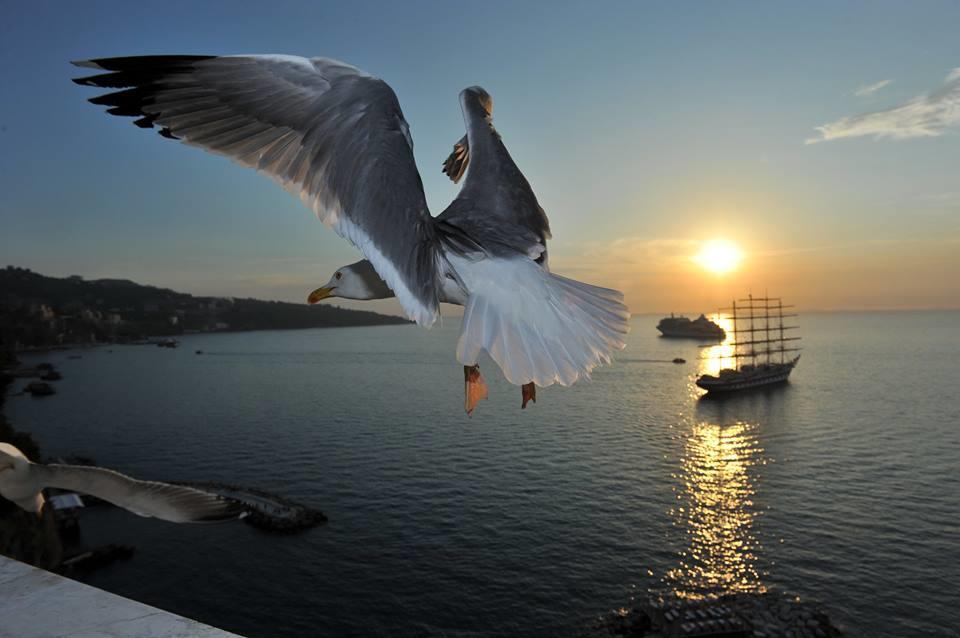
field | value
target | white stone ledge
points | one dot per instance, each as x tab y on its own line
38	604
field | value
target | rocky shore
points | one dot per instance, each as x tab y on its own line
760	615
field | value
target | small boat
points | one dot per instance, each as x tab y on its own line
167	343
758	350
699	328
679	360
39	389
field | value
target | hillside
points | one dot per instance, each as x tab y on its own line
36	311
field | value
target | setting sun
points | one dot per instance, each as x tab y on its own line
719	256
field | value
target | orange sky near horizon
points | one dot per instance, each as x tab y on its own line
873	275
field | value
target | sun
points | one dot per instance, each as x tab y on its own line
719	256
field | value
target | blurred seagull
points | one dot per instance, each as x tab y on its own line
22	482
335	136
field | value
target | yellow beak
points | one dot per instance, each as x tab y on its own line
320	293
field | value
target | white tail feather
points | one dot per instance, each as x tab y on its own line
538	326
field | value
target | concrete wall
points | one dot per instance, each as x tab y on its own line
36	603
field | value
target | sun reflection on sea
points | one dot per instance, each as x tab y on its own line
716	357
716	513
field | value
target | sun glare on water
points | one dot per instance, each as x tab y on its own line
719	256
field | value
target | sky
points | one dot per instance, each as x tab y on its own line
820	137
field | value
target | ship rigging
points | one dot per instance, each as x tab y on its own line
759	340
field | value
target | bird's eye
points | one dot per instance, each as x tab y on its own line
339	275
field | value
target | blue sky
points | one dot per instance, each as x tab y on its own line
644	129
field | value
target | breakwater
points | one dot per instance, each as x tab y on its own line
266	511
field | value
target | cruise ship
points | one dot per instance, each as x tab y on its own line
699	328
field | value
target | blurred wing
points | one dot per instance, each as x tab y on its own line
175	503
326	131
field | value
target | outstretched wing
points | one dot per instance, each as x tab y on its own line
175	503
496	208
326	131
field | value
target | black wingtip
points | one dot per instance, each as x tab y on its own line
127	111
145	122
141	62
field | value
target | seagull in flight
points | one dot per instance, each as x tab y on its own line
335	136
23	482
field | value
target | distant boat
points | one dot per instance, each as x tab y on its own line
759	340
167	343
699	328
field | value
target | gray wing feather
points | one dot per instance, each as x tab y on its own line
324	130
175	503
456	163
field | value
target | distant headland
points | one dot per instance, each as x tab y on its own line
37	311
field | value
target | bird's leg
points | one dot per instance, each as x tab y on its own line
475	388
529	392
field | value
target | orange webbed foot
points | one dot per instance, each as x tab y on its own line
529	392
475	388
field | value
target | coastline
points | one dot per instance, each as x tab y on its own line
37	311
109	344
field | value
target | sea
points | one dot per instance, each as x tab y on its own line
841	487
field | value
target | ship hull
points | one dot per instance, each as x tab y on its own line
690	334
739	381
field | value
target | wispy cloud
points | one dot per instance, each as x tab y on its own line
870	89
948	197
927	115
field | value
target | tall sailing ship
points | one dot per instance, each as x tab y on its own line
759	347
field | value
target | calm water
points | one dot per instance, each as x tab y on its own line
842	486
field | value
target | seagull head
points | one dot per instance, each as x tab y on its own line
355	281
476	95
12	461
16	482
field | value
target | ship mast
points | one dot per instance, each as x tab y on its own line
766	324
780	316
736	360
773	335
